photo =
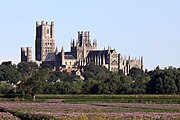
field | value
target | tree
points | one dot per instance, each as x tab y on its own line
177	79
9	73
6	88
140	80
96	72
99	79
30	86
27	69
163	81
45	65
90	86
124	85
110	85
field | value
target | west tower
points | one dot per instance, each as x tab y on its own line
45	41
26	54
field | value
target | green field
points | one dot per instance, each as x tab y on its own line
89	98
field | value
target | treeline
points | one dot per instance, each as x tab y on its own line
27	78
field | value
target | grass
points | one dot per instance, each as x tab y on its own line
89	98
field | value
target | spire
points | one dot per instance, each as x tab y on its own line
109	48
71	43
125	60
56	51
124	57
37	23
142	62
129	57
62	56
95	44
139	59
74	44
62	50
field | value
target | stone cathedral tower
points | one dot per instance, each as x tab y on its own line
45	41
26	54
83	46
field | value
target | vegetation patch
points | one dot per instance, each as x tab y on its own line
89	98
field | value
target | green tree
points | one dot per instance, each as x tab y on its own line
30	86
140	80
177	79
27	69
90	86
125	84
96	72
6	88
9	73
163	81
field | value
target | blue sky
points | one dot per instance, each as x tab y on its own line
133	27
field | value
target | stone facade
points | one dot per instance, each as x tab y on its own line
26	54
82	47
83	52
45	41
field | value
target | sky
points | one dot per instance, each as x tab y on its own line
148	28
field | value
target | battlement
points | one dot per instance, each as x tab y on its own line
26	48
26	54
84	33
44	23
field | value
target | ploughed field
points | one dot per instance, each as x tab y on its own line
95	107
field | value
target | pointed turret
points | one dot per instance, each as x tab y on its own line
109	48
56	51
37	23
142	62
129	58
62	55
62	49
124	60
71	43
139	59
74	44
95	44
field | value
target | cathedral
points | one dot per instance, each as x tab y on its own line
82	53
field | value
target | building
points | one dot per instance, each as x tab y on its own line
45	41
82	46
83	52
26	54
